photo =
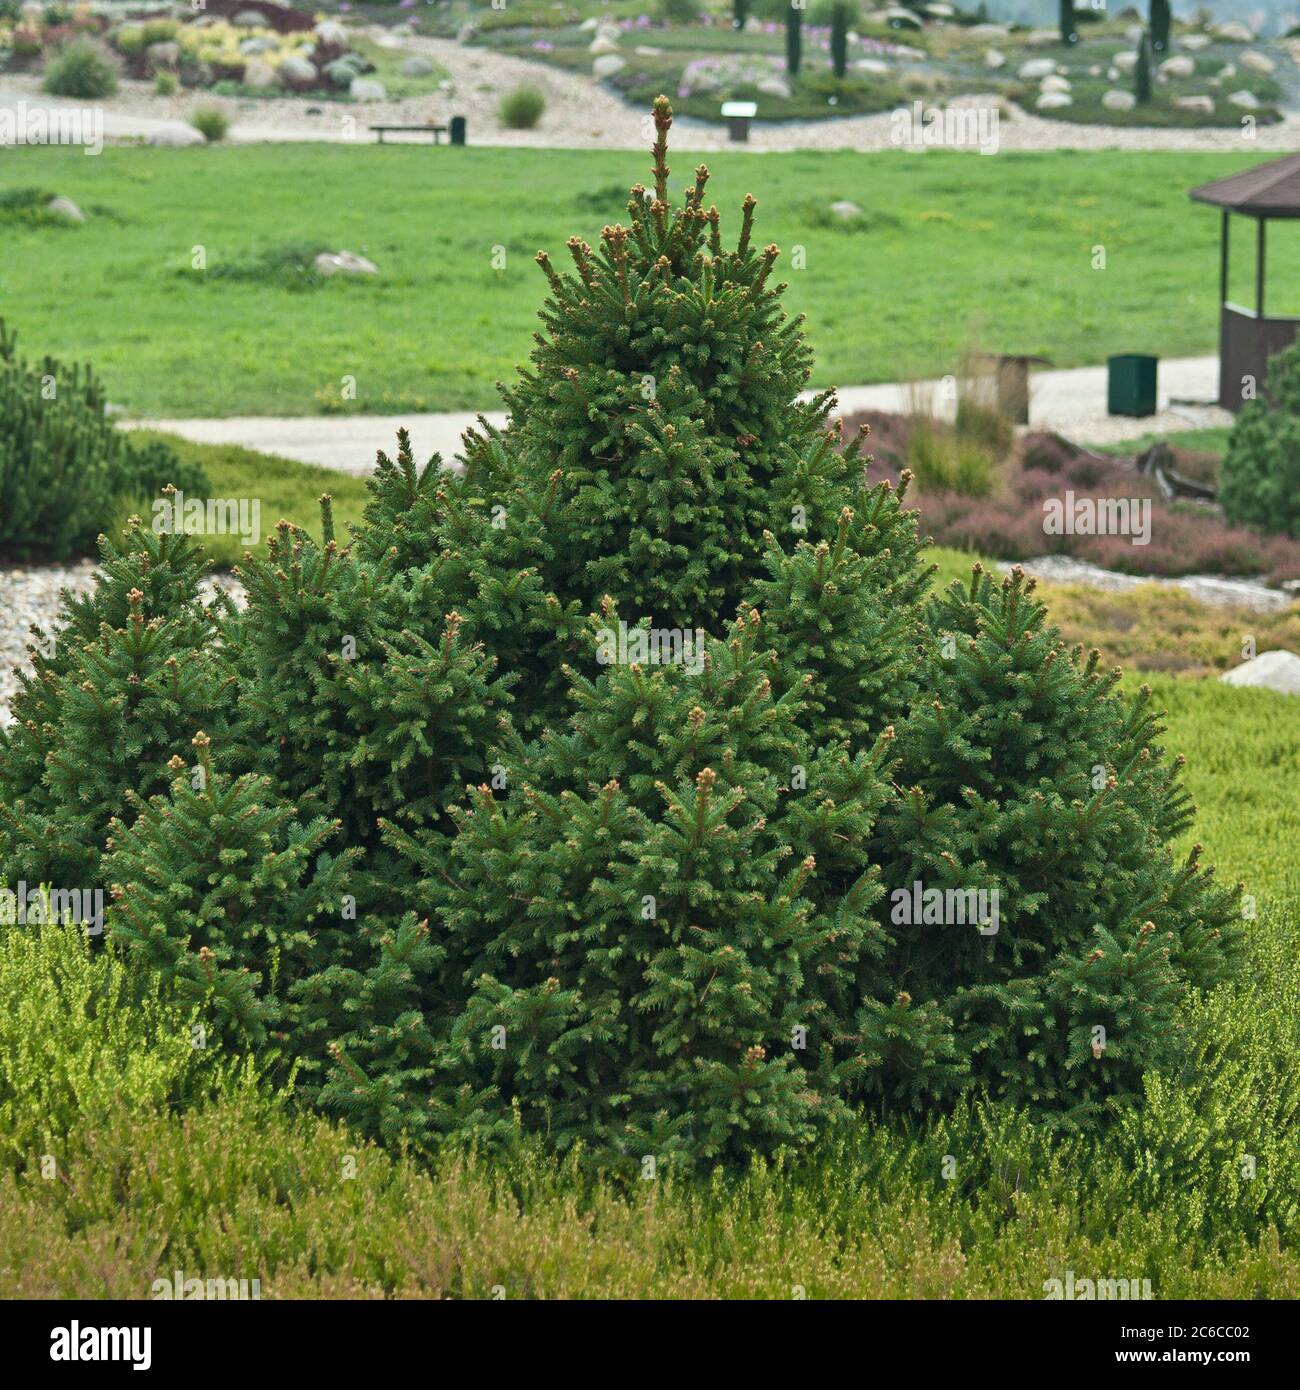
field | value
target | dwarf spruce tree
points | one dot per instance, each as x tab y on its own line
625	790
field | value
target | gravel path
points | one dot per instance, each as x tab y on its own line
583	114
30	595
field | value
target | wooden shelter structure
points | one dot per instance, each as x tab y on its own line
1248	339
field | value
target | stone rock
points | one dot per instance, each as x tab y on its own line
1193	43
1125	62
588	25
66	208
1202	106
343	263
1052	83
1247	101
1234	32
1036	68
873	66
248	19
416	67
1094	70
1133	34
898	18
845	210
367	89
1112	74
993	59
259	74
607	65
1042	38
1279	670
775	87
988	31
1258	62
163	55
1052	101
331	31
177	135
1177	68
296	73
645	50
1116	100
257	44
1225	72
602	44
940	11
466	33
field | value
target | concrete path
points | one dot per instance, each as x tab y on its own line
1072	402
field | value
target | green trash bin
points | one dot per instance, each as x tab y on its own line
1131	384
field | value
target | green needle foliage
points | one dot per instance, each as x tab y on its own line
580	796
1259	478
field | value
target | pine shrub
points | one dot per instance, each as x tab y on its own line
63	464
577	796
1259	478
81	69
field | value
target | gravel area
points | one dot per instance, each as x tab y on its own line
582	114
30	594
1213	589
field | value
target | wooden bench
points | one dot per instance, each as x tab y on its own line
434	130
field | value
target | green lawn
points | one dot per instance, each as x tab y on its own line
953	247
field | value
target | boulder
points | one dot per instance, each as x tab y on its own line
873	66
65	208
607	65
775	87
296	73
416	67
1247	101
1258	62
1193	43
995	60
1116	100
331	31
177	135
259	74
343	263
466	33
259	43
845	210
161	56
1202	106
602	44
1279	670
367	89
1125	62
1052	101
988	31
1042	38
1037	68
1177	69
248	19
1234	32
1053	83
898	18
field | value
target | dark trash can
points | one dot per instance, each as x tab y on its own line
458	130
1131	384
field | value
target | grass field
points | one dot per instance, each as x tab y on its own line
951	248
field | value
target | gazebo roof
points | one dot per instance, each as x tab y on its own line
1267	190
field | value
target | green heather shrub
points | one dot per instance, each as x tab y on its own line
581	795
80	70
522	108
63	464
1259	478
82	1034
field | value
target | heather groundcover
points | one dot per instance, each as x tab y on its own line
618	868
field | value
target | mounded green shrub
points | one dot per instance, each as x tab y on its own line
80	70
522	108
63	464
1259	478
576	795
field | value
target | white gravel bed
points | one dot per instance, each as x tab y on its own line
583	114
1213	589
30	594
